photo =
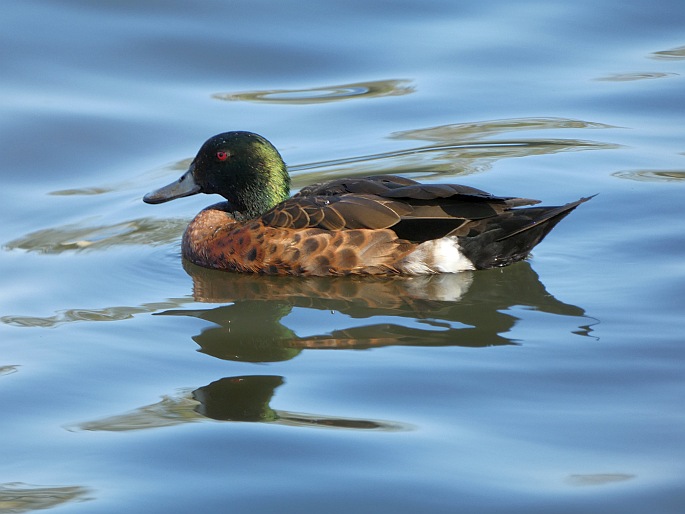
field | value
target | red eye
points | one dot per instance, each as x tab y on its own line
222	156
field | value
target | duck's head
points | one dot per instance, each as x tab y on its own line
242	167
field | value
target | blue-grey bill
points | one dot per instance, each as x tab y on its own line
184	186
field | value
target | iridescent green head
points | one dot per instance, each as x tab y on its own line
242	167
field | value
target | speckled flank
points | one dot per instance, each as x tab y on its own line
215	240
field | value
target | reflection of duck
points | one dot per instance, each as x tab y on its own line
247	398
244	398
374	225
462	309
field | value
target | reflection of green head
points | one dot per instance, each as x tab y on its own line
249	331
243	398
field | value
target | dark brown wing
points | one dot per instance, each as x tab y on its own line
415	211
346	211
394	186
374	185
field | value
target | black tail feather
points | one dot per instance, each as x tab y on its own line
511	236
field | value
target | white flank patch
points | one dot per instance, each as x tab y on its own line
437	256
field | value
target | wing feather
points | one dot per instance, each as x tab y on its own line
347	211
412	209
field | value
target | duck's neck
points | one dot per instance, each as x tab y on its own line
259	187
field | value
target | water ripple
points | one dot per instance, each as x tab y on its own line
457	149
7	370
323	94
673	54
78	237
20	497
436	160
481	129
118	313
652	175
598	479
631	77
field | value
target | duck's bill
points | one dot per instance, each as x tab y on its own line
184	186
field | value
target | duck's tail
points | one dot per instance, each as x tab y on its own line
510	236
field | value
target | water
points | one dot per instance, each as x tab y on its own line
132	381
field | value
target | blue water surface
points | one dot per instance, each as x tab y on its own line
134	382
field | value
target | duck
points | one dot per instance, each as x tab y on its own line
374	225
